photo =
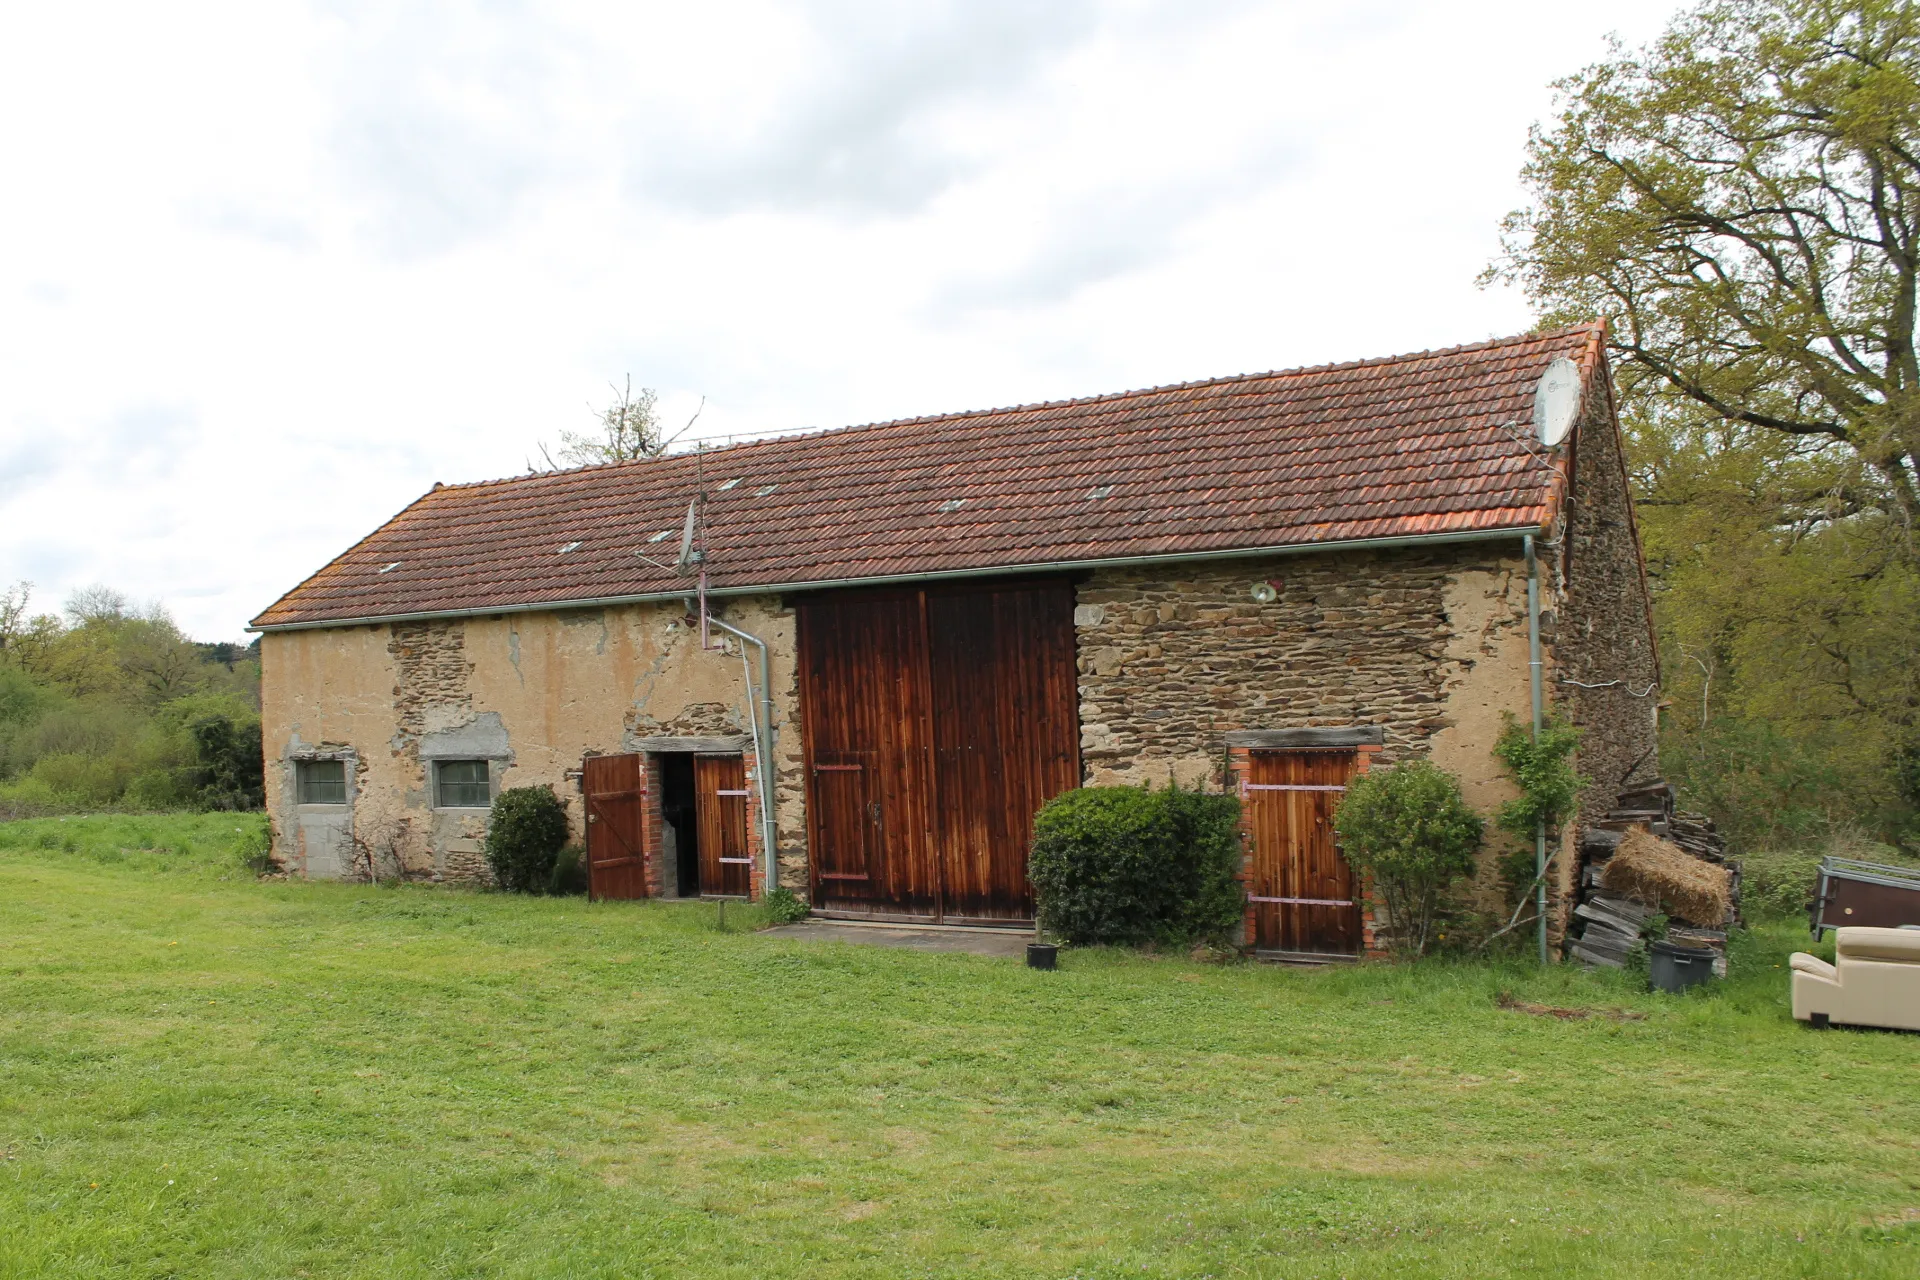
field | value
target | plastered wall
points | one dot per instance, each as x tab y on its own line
532	693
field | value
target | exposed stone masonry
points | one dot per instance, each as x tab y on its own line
1604	638
431	672
1169	663
697	720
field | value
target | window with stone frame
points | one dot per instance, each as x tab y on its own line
461	784
320	781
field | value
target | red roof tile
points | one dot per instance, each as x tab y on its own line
1432	443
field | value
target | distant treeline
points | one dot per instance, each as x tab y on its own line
108	706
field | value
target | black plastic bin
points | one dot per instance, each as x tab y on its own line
1671	967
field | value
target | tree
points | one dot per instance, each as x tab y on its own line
97	605
1741	200
13	613
629	430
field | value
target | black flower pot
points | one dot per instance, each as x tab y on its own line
1042	955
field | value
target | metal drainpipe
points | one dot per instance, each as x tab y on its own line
1539	715
762	744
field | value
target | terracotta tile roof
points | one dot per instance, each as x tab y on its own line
1433	443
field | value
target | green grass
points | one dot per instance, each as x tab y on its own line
204	1075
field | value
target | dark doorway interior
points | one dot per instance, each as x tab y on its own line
677	806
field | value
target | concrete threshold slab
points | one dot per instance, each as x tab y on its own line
970	941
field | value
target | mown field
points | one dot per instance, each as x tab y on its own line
202	1074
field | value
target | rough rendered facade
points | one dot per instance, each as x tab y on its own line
531	693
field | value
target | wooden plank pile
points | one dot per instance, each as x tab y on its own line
1605	926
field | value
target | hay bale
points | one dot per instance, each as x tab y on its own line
1652	871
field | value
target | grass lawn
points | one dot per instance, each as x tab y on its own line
206	1075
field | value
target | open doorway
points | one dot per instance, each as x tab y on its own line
680	810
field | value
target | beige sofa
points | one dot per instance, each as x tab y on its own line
1874	982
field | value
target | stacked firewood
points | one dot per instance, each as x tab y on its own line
1606	925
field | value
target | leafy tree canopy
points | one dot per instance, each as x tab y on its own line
1741	200
107	705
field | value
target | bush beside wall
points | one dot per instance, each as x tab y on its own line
525	833
1129	866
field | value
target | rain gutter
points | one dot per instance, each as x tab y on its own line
1539	720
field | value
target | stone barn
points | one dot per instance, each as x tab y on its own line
916	632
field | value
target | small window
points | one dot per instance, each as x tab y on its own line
461	784
320	781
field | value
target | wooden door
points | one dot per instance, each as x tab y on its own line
1006	735
937	722
615	793
847	823
720	813
863	690
1305	897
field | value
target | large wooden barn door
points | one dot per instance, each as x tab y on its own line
1305	897
1006	733
616	824
864	712
937	722
720	814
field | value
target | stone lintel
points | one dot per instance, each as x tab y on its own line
729	743
1365	735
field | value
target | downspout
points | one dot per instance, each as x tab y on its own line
762	727
1539	716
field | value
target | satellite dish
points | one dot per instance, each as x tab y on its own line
688	556
1555	402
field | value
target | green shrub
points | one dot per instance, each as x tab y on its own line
228	771
1408	830
1209	902
1777	882
1128	865
525	833
784	906
569	878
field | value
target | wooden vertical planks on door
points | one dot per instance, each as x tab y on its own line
1305	897
720	812
1006	734
864	716
613	788
946	717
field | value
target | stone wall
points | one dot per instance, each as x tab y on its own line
1607	673
1430	644
1604	638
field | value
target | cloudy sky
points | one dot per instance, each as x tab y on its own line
269	270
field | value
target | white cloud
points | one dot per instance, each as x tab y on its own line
269	271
